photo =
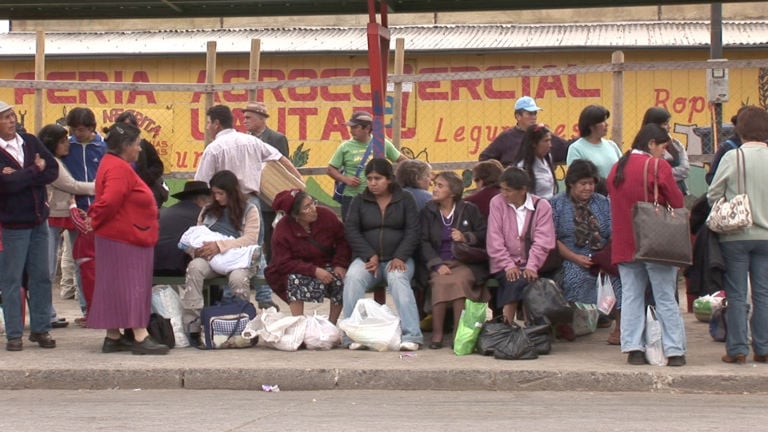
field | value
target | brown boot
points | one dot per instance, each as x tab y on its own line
615	337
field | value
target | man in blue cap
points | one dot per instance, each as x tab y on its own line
505	146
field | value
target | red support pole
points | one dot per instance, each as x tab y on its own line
378	63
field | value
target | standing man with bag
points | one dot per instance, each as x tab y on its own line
347	163
627	187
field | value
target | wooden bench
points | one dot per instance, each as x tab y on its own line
207	284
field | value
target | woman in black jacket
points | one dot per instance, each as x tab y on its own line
382	228
446	220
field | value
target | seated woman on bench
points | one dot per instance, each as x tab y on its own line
229	214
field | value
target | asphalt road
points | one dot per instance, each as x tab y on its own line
338	410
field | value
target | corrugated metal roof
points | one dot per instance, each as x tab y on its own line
471	38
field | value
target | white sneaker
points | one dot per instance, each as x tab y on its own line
409	346
356	346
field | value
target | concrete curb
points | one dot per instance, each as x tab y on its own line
293	379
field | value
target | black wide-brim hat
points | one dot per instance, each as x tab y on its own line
192	188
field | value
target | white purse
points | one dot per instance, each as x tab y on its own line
734	215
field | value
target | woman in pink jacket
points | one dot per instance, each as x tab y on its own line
515	259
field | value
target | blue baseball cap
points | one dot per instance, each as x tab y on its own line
527	103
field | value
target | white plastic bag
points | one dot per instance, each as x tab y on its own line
277	330
167	303
2	322
373	325
654	350
321	333
606	298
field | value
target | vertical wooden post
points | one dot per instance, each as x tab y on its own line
210	78
254	65
39	76
397	108
617	106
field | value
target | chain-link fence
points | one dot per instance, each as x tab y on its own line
452	105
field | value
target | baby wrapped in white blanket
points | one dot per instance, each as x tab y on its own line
222	263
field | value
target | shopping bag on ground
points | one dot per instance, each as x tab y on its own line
606	298
373	325
654	350
505	342
278	330
542	298
167	303
223	324
321	333
584	318
470	323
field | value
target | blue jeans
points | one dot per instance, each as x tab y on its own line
635	276
25	249
263	292
746	259
54	242
359	280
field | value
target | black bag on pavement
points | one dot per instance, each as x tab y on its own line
161	330
541	337
505	342
544	299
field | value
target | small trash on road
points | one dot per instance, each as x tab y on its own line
270	388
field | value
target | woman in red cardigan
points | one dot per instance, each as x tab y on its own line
626	187
124	220
310	254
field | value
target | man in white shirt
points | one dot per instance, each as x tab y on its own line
244	155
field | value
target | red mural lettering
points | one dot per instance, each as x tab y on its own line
491	92
197	96
550	82
307	94
439	131
119	93
424	88
271	75
575	91
470	85
662	96
93	76
141	76
302	114
235	75
358	89
19	93
53	94
325	92
334	123
194	124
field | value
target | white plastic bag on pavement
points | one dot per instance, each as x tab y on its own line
167	303
606	298
321	333
373	325
277	330
654	350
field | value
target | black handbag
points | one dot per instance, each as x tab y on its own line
468	254
542	298
505	342
662	233
161	330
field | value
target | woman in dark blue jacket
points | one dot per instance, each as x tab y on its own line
382	228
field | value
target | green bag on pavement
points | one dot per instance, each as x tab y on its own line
470	323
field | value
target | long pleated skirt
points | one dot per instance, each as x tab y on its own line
123	294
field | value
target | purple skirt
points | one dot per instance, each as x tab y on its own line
123	293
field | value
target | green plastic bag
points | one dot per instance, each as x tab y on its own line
470	323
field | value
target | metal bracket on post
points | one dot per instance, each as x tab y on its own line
378	62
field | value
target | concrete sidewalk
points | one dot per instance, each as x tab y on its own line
587	364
